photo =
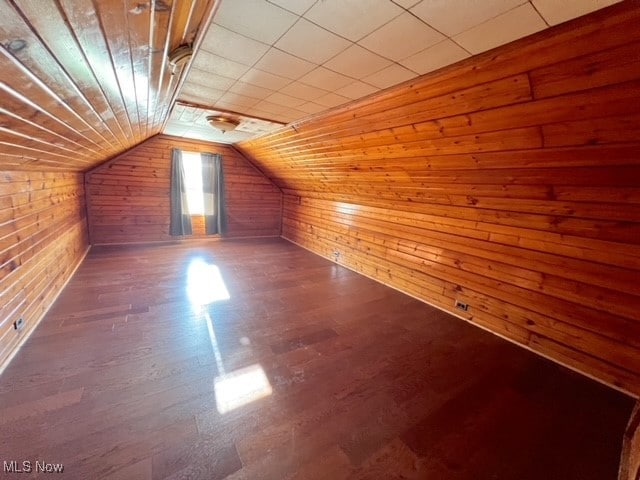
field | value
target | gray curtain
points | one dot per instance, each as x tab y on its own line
213	190
180	218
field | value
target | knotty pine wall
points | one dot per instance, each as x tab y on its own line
84	87
43	238
509	181
128	199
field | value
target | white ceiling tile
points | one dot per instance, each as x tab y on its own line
406	3
257	19
514	24
250	90
225	43
392	75
295	6
293	115
258	112
331	100
440	55
308	41
221	66
231	107
269	107
311	107
558	11
325	79
238	99
197	99
175	128
352	19
281	63
285	100
210	94
356	89
401	37
300	90
357	62
264	79
210	80
451	19
190	122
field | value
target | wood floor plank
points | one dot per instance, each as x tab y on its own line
322	373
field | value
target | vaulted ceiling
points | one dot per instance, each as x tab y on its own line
84	80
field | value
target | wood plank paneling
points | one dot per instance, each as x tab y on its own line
128	198
509	181
43	238
87	77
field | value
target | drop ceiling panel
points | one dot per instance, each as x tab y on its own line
312	43
331	100
326	79
272	109
227	44
406	3
281	63
356	89
294	58
434	57
237	99
402	37
268	80
556	11
311	107
296	6
191	122
250	90
256	19
211	94
452	17
284	100
352	19
357	62
220	66
210	80
301	90
512	25
392	75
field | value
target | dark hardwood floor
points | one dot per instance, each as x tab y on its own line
306	371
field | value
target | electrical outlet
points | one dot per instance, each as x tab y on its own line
461	306
336	255
18	324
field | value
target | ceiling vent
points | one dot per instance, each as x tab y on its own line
179	57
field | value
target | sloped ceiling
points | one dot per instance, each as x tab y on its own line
85	80
286	59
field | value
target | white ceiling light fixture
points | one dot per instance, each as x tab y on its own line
179	57
224	124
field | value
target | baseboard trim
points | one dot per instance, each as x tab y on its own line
522	345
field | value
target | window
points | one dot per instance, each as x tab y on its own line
192	165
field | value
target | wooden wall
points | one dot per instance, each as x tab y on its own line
128	199
509	181
43	238
83	80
